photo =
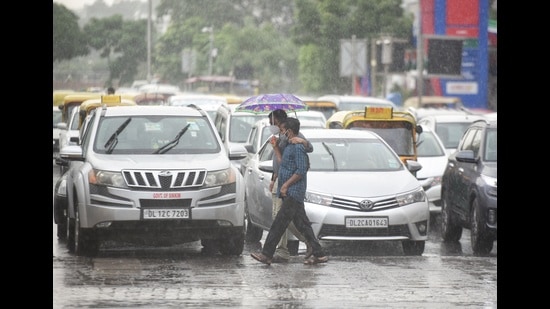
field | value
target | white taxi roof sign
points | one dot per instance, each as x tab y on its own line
110	99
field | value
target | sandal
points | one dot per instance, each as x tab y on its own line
316	260
258	256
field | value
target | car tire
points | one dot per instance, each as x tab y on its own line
70	234
253	233
62	231
413	248
481	243
85	242
293	246
450	231
233	245
210	246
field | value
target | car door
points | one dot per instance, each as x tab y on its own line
466	172
258	199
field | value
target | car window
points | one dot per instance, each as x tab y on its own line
476	141
57	115
427	145
491	145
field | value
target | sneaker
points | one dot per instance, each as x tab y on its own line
258	256
316	260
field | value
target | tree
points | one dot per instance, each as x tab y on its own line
122	43
68	40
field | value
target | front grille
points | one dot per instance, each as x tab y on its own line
341	230
356	205
164	179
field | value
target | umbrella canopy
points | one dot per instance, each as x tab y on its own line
265	103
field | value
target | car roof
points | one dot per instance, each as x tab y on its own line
140	110
452	118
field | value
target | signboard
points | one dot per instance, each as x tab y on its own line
353	57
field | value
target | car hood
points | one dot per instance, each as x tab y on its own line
111	162
431	166
361	184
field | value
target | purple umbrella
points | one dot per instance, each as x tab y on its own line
266	103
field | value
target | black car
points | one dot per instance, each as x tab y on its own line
469	188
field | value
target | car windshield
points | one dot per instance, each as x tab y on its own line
146	134
491	146
352	155
427	145
451	132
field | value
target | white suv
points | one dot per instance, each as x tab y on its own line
153	175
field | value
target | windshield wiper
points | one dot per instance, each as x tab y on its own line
173	142
113	140
331	154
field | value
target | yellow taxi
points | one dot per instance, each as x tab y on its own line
328	108
73	100
106	100
397	128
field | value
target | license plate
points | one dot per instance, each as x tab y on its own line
366	222
170	213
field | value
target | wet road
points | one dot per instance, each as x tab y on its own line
375	275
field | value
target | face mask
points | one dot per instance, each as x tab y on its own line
274	129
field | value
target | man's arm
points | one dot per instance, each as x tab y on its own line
301	139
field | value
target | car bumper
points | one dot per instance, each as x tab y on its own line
405	223
122	210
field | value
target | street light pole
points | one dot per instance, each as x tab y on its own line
211	49
149	41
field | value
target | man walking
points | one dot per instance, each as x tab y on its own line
291	188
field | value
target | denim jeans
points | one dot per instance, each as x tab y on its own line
291	211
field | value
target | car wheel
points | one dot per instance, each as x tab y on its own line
481	243
253	233
62	231
411	247
70	234
85	243
233	245
450	231
210	246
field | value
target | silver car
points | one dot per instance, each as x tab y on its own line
357	190
154	175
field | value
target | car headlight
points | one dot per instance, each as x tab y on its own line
317	198
105	178
219	178
491	185
412	197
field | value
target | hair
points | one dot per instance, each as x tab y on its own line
292	124
110	90
279	114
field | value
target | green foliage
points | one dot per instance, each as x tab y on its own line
290	45
121	42
68	40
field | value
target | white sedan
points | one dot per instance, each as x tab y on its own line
357	190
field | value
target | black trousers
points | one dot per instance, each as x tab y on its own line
291	210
